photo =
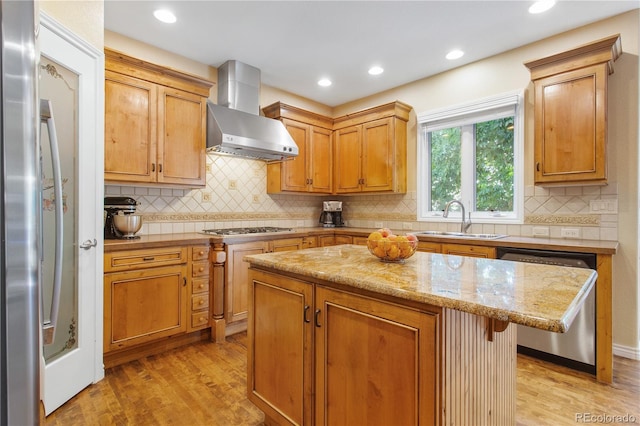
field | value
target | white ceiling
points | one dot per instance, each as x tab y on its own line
295	43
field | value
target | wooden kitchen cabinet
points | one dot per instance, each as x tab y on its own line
334	240
145	296
370	154
155	123
469	250
311	171
429	247
237	276
570	110
307	341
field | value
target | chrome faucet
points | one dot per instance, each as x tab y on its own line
466	224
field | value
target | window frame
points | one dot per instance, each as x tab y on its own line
468	113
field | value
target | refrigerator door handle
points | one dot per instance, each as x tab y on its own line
46	116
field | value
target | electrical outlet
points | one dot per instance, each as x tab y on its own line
407	226
540	231
570	233
207	167
233	184
377	225
256	198
206	196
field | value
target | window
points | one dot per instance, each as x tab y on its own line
472	153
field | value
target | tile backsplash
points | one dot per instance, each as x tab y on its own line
235	195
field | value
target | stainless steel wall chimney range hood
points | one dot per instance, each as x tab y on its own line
235	125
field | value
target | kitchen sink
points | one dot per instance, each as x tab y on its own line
462	235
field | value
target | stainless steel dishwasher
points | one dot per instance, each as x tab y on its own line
577	347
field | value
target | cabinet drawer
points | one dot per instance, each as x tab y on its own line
200	285
200	269
199	301
200	319
200	253
149	258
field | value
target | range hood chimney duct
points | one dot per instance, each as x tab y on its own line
235	126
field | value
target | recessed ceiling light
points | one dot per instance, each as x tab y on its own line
376	70
324	82
164	15
455	54
541	6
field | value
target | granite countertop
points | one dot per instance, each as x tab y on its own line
541	296
163	240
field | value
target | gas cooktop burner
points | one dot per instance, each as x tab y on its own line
240	231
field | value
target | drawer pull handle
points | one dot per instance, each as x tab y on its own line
184	281
304	314
148	258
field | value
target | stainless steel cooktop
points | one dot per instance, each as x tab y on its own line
250	230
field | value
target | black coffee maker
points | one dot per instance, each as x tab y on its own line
114	205
331	215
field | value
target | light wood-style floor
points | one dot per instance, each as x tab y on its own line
205	384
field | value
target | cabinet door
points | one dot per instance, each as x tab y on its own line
320	158
570	126
371	369
181	137
428	247
348	146
343	239
286	244
144	305
279	374
129	129
378	157
294	172
237	273
326	240
469	251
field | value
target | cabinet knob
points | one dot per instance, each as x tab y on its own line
201	269
201	302
201	286
201	252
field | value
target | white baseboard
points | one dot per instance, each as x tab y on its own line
626	352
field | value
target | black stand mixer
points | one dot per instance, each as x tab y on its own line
113	206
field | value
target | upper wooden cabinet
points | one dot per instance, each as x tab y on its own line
371	150
311	171
155	123
570	96
363	152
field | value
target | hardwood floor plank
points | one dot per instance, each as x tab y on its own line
205	384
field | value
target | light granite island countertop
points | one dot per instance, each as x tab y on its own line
349	338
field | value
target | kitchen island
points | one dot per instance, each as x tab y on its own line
338	337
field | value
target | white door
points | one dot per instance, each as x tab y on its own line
71	77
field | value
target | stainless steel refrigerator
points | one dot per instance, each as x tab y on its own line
20	216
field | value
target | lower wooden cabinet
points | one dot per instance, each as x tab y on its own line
151	294
237	273
318	356
145	293
469	250
334	240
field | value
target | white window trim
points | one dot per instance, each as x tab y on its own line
447	114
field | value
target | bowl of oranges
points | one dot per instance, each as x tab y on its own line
389	247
